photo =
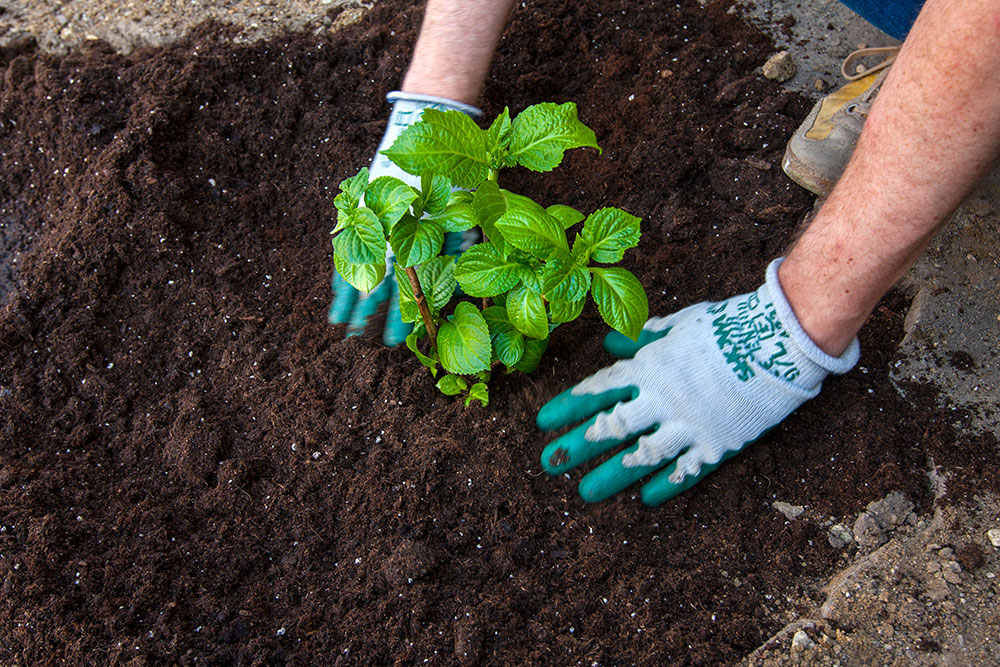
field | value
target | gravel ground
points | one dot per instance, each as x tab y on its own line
58	27
914	590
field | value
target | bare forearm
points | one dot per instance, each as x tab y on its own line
933	132
456	45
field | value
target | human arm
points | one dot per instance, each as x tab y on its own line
932	134
450	62
455	47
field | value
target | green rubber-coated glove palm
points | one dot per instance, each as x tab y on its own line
357	308
697	387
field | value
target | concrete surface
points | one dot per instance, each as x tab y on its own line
819	34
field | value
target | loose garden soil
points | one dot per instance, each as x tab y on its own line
198	469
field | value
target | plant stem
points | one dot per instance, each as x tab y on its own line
425	311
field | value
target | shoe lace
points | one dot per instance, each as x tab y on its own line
862	104
890	53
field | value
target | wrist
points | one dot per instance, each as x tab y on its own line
454	86
829	314
838	358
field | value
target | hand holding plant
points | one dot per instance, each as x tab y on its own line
529	275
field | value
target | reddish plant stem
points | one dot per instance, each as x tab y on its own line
425	311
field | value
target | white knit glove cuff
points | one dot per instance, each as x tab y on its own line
435	102
823	362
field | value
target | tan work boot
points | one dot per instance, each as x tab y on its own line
819	150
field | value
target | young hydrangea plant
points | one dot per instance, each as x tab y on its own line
528	276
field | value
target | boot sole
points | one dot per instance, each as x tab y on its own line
804	175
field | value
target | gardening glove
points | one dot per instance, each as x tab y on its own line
700	385
357	308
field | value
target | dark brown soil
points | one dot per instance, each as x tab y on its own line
196	468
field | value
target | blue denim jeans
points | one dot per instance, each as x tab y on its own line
892	18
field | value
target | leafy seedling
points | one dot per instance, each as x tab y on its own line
526	276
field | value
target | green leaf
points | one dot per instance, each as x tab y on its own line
497	320
464	342
389	198
416	241
435	190
581	251
437	279
363	277
533	351
609	232
484	376
509	347
429	362
567	215
563	279
489	204
354	186
460	197
347	201
620	299
543	132
452	384
478	392
532	279
533	231
448	143
498	140
482	271
408	309
534	282
565	311
345	212
526	311
362	241
458	215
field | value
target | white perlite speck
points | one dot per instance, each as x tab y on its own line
994	536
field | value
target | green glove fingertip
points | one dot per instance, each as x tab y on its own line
567	409
396	330
452	243
571	449
344	298
660	489
611	477
366	306
624	347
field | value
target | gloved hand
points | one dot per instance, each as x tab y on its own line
703	383
356	308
